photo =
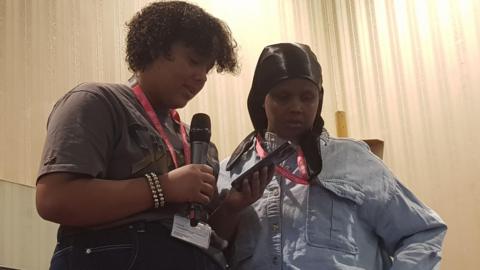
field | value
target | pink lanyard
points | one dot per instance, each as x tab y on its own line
147	106
301	163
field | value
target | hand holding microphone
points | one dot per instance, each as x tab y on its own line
195	182
199	140
189	183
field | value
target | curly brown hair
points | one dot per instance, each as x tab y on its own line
152	31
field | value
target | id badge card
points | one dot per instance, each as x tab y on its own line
198	235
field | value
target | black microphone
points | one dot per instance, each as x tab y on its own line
199	142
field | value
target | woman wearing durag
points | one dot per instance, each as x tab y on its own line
333	205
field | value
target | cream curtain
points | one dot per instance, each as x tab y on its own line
403	71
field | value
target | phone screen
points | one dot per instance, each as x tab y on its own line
275	157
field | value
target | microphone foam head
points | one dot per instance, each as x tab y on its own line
200	128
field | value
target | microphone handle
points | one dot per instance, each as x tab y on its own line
199	156
195	212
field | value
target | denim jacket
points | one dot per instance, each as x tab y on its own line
355	215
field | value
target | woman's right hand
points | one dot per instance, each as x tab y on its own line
189	183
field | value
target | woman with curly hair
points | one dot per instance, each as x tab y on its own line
116	170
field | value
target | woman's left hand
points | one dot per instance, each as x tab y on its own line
252	189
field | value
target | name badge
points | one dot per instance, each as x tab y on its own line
198	235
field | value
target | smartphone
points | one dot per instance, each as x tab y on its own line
275	157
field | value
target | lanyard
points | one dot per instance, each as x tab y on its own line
147	106
301	163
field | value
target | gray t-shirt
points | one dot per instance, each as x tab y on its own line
101	130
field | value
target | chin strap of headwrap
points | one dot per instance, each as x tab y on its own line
311	150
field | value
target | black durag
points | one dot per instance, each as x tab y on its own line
276	63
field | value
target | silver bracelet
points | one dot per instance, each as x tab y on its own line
151	183
158	188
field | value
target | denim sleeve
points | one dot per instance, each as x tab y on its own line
412	232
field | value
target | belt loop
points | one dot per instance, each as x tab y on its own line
140	226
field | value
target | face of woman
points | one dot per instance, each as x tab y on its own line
172	81
291	107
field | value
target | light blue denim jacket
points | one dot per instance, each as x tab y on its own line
356	215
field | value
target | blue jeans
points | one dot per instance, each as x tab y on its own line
137	246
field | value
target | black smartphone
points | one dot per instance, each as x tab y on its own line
275	157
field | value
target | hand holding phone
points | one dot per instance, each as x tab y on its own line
273	158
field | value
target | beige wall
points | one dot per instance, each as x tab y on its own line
404	72
26	241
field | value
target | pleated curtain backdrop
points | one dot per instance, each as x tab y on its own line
403	71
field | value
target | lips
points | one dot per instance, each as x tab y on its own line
188	92
294	123
192	90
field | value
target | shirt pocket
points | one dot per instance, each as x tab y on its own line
332	216
246	239
151	153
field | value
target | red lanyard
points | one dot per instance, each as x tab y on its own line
147	106
301	163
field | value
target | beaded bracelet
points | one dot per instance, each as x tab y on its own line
153	189
158	188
